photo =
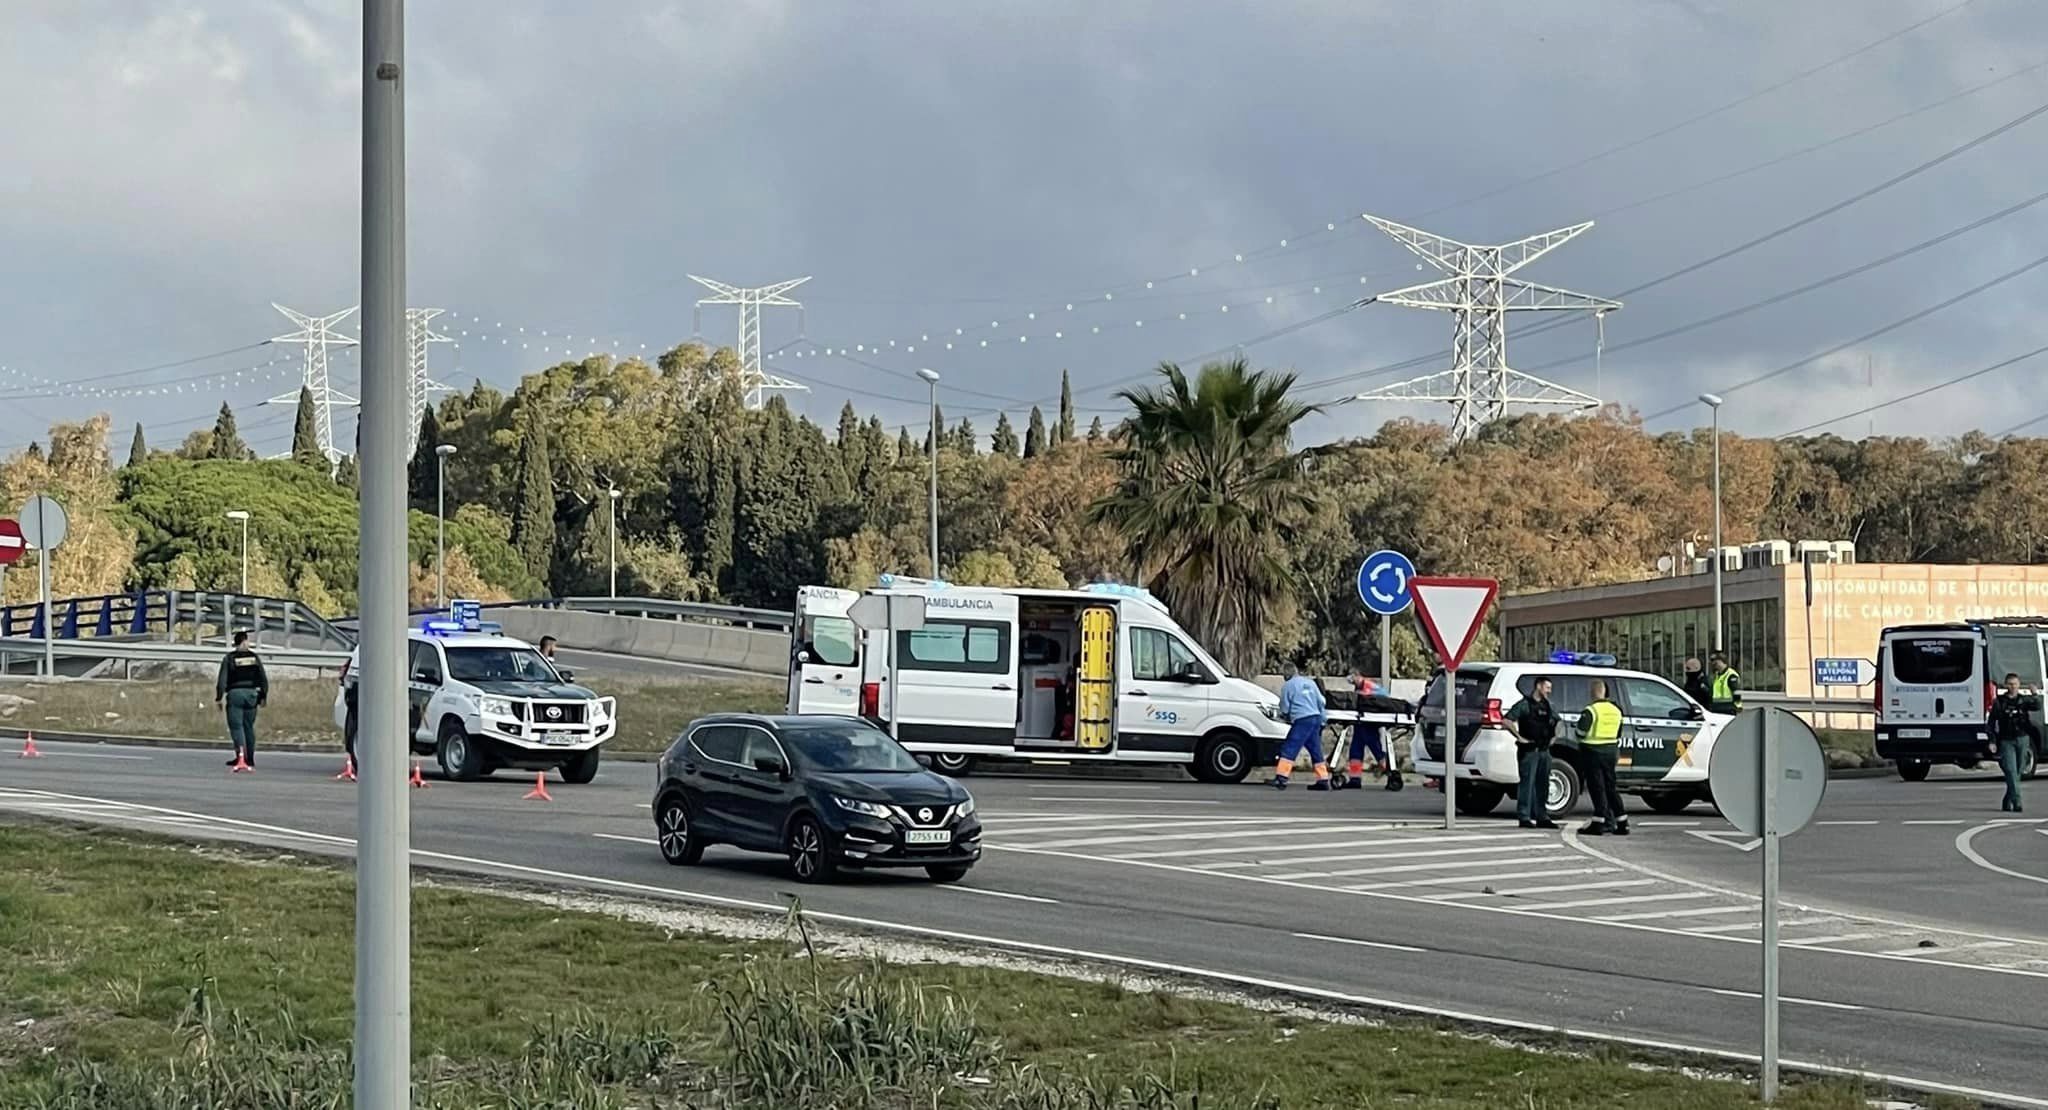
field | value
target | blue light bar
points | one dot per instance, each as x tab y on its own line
1582	658
455	628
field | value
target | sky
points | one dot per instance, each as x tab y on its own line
965	172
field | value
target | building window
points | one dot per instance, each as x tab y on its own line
1660	642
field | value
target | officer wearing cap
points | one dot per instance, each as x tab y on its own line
242	687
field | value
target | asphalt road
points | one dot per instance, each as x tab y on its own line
1904	955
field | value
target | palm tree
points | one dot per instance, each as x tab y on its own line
1211	486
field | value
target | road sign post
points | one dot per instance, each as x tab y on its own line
43	526
1383	586
1768	776
888	612
1451	611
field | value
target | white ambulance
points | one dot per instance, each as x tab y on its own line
1102	673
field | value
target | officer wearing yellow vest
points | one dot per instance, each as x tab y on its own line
1724	689
1600	739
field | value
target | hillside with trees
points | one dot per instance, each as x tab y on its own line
1199	491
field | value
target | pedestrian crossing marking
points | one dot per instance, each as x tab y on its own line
1447	880
1526	891
1698	911
1585	903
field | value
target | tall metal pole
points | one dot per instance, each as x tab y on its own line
245	555
612	504
931	379
1714	403
383	1042
440	530
1451	748
1768	758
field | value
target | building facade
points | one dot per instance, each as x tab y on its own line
1779	618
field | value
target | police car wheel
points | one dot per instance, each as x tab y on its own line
461	760
1561	794
1669	802
1477	799
679	843
811	858
1913	770
1223	759
581	767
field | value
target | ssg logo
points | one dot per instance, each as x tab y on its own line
1163	716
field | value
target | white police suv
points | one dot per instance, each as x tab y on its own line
1666	737
481	701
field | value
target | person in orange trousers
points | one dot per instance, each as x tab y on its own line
1303	707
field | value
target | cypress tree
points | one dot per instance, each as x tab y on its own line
138	451
964	439
345	475
227	443
904	447
533	514
1034	434
938	428
35	451
1065	432
1095	430
422	477
1004	442
305	443
849	427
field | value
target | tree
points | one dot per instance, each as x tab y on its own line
533	513
347	473
1065	432
1004	442
1210	488
227	443
1034	434
305	441
964	439
936	428
422	473
1095	430
905	447
138	451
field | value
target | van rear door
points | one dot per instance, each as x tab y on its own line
1931	678
956	678
824	657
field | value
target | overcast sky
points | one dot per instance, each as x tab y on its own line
168	169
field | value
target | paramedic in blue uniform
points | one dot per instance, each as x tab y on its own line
1303	707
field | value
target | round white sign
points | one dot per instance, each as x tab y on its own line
44	523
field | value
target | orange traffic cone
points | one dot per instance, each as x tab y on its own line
540	788
348	770
28	749
416	782
241	764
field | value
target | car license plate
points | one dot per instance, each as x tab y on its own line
556	738
927	836
1914	734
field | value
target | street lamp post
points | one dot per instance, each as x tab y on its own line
243	516
931	378
1713	403
441	454
614	507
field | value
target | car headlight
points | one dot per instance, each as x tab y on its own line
965	808
865	809
1272	712
495	707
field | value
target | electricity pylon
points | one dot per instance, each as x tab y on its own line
754	381
1479	294
419	333
315	334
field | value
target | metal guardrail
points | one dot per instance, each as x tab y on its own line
658	608
1801	703
152	652
170	614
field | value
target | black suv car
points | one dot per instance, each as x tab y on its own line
827	792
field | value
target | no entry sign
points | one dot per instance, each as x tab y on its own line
11	543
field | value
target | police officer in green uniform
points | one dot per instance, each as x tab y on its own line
1534	724
243	687
1724	689
1600	739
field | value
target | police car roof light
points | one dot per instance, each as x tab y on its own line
433	627
1582	658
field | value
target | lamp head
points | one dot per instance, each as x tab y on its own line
928	374
445	450
237	514
1711	400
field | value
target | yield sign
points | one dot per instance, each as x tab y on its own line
11	543
1451	610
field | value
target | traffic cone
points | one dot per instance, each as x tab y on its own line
348	770
416	782
540	788
241	764
28	748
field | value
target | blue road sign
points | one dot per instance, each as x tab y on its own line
1383	582
1843	672
468	614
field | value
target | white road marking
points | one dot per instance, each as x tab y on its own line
1703	911
1410	855
1519	874
1788	923
1377	842
1000	894
1787	1001
53	751
1845	822
1840	938
1525	891
1255	825
1943	950
1931	822
1361	943
1118	801
1206	834
1963	845
1586	903
1405	869
628	839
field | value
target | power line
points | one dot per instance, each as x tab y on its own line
1918	393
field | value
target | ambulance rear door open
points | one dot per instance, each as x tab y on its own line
956	679
825	653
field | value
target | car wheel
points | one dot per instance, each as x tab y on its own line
680	845
1913	770
581	767
953	764
2028	761
1669	802
1561	795
811	858
1224	759
1477	799
947	873
461	759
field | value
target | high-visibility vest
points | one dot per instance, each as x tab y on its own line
1606	723
1723	692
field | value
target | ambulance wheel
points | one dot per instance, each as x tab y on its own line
460	757
953	764
1668	802
581	767
1913	770
1224	759
1477	799
1561	795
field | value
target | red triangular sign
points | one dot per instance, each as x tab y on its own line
1451	611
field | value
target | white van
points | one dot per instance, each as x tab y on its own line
1936	683
1100	673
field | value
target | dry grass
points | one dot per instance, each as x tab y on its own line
301	711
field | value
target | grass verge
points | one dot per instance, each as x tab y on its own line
301	711
146	973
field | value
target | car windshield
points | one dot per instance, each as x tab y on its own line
498	664
849	747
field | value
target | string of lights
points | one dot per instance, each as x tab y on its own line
277	367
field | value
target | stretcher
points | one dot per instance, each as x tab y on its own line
1396	729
